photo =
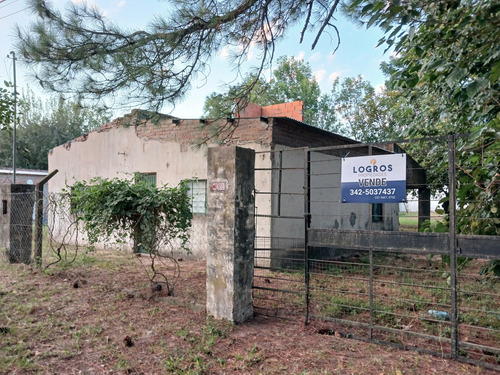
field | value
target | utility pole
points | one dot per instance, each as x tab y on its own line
14	138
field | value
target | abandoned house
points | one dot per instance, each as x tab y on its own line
169	151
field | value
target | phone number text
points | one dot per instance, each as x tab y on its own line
382	191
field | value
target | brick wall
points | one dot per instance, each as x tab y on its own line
242	131
296	134
292	110
239	132
250	110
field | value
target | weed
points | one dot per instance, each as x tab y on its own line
154	310
122	364
342	305
174	364
384	315
222	362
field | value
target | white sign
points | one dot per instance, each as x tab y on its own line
374	179
219	186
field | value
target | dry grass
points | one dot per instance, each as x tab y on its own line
112	322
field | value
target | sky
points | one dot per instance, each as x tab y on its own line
356	55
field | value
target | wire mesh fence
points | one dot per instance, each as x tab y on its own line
16	222
62	238
412	274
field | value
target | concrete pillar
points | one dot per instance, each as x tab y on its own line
231	232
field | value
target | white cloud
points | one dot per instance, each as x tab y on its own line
379	88
91	4
105	12
251	54
301	55
319	75
316	57
332	77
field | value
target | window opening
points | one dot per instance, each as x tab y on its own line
377	212
197	194
150	178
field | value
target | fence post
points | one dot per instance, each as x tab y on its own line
231	233
453	246
39	216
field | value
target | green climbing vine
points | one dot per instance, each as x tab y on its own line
154	219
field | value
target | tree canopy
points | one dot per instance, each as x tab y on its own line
43	125
446	74
6	107
291	80
351	108
80	52
454	43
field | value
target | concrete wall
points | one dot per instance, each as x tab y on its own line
166	149
5	214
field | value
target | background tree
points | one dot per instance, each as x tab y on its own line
294	80
352	107
220	105
291	80
448	69
6	107
45	125
362	113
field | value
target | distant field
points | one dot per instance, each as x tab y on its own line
408	221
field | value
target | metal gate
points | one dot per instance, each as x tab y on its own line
365	270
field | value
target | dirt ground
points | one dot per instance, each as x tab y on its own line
101	316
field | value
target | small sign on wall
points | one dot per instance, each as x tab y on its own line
218	186
374	179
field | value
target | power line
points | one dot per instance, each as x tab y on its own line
6	5
19	11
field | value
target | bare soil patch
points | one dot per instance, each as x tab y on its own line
101	316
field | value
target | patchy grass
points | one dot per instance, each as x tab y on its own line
112	322
405	289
